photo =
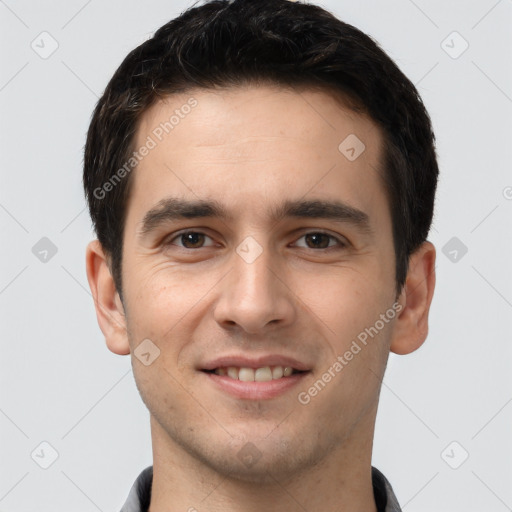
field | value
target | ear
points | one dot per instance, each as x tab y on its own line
109	308
411	327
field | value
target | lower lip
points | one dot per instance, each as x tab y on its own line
255	390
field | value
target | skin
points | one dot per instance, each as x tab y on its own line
251	148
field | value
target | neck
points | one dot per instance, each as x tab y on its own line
341	482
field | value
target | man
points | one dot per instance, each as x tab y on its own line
261	178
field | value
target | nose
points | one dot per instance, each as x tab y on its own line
256	296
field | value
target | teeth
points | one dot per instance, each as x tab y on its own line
263	374
246	374
277	372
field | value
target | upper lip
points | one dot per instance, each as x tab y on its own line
255	362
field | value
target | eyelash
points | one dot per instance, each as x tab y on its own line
340	244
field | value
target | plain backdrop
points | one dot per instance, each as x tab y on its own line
443	434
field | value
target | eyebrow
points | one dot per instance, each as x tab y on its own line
173	208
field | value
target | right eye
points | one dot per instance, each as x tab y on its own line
194	238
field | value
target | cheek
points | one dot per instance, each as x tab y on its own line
166	395
161	294
350	306
347	296
154	309
165	304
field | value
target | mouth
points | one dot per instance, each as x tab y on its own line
262	374
254	379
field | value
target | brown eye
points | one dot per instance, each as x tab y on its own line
319	240
190	240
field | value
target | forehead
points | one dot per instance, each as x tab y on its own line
260	141
214	116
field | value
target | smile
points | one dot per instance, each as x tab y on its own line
263	374
254	383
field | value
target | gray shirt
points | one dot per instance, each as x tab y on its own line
140	493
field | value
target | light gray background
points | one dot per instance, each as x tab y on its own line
60	384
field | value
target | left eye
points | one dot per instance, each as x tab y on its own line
196	239
321	240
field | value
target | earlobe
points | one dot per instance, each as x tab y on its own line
109	308
411	327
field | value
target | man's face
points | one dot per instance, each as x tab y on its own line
256	289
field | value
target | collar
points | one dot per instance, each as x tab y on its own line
140	493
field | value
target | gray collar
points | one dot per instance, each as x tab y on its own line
140	493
